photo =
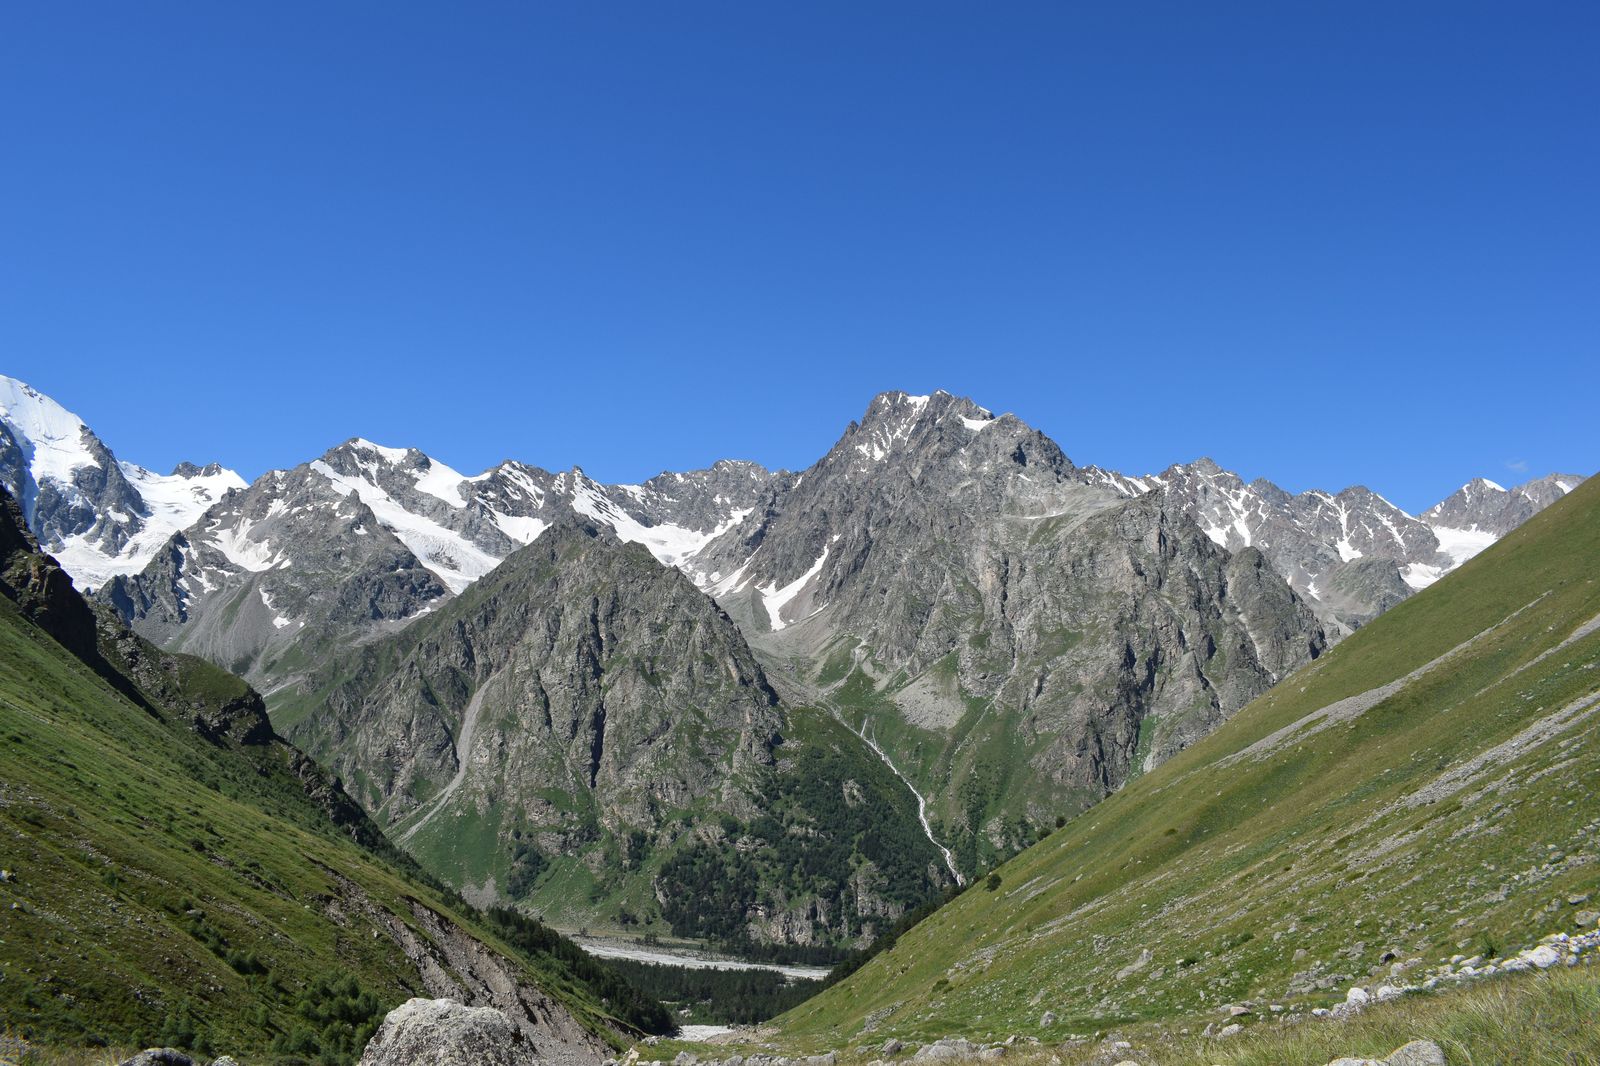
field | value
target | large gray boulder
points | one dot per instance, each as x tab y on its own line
442	1032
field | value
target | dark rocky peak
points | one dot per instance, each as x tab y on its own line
188	469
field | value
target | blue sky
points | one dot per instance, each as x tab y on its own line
1323	243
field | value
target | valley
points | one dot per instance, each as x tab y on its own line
1116	752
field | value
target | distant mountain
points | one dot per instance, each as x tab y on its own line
366	537
1353	554
99	516
1482	508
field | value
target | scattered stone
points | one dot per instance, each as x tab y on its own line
1238	1011
1229	1030
442	1032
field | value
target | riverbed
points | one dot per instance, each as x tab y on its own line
687	958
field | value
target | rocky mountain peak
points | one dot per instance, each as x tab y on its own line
1482	508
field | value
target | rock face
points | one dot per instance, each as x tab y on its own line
951	572
583	666
584	706
445	1033
97	515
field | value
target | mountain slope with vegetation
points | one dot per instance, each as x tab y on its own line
584	733
1421	793
175	873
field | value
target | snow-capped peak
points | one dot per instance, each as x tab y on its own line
97	515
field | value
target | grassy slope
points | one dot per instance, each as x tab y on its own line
1236	878
146	869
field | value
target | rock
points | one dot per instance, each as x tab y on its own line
685	1058
1229	1030
1238	1011
950	1049
1544	957
159	1056
989	1054
1584	919
891	1047
830	1059
442	1032
1578	900
1136	965
1047	1019
225	1060
1356	997
1355	1062
1417	1053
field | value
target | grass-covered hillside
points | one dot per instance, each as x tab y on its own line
173	873
1423	791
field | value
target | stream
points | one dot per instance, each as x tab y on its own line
922	804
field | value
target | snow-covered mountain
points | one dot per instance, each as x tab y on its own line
1352	554
99	516
366	537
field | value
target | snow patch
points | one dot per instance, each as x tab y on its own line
236	546
1461	544
442	483
1421	575
775	599
523	530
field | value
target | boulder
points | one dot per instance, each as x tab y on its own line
159	1056
1416	1053
442	1032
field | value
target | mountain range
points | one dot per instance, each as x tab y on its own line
973	634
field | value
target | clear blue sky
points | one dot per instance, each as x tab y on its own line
1324	243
